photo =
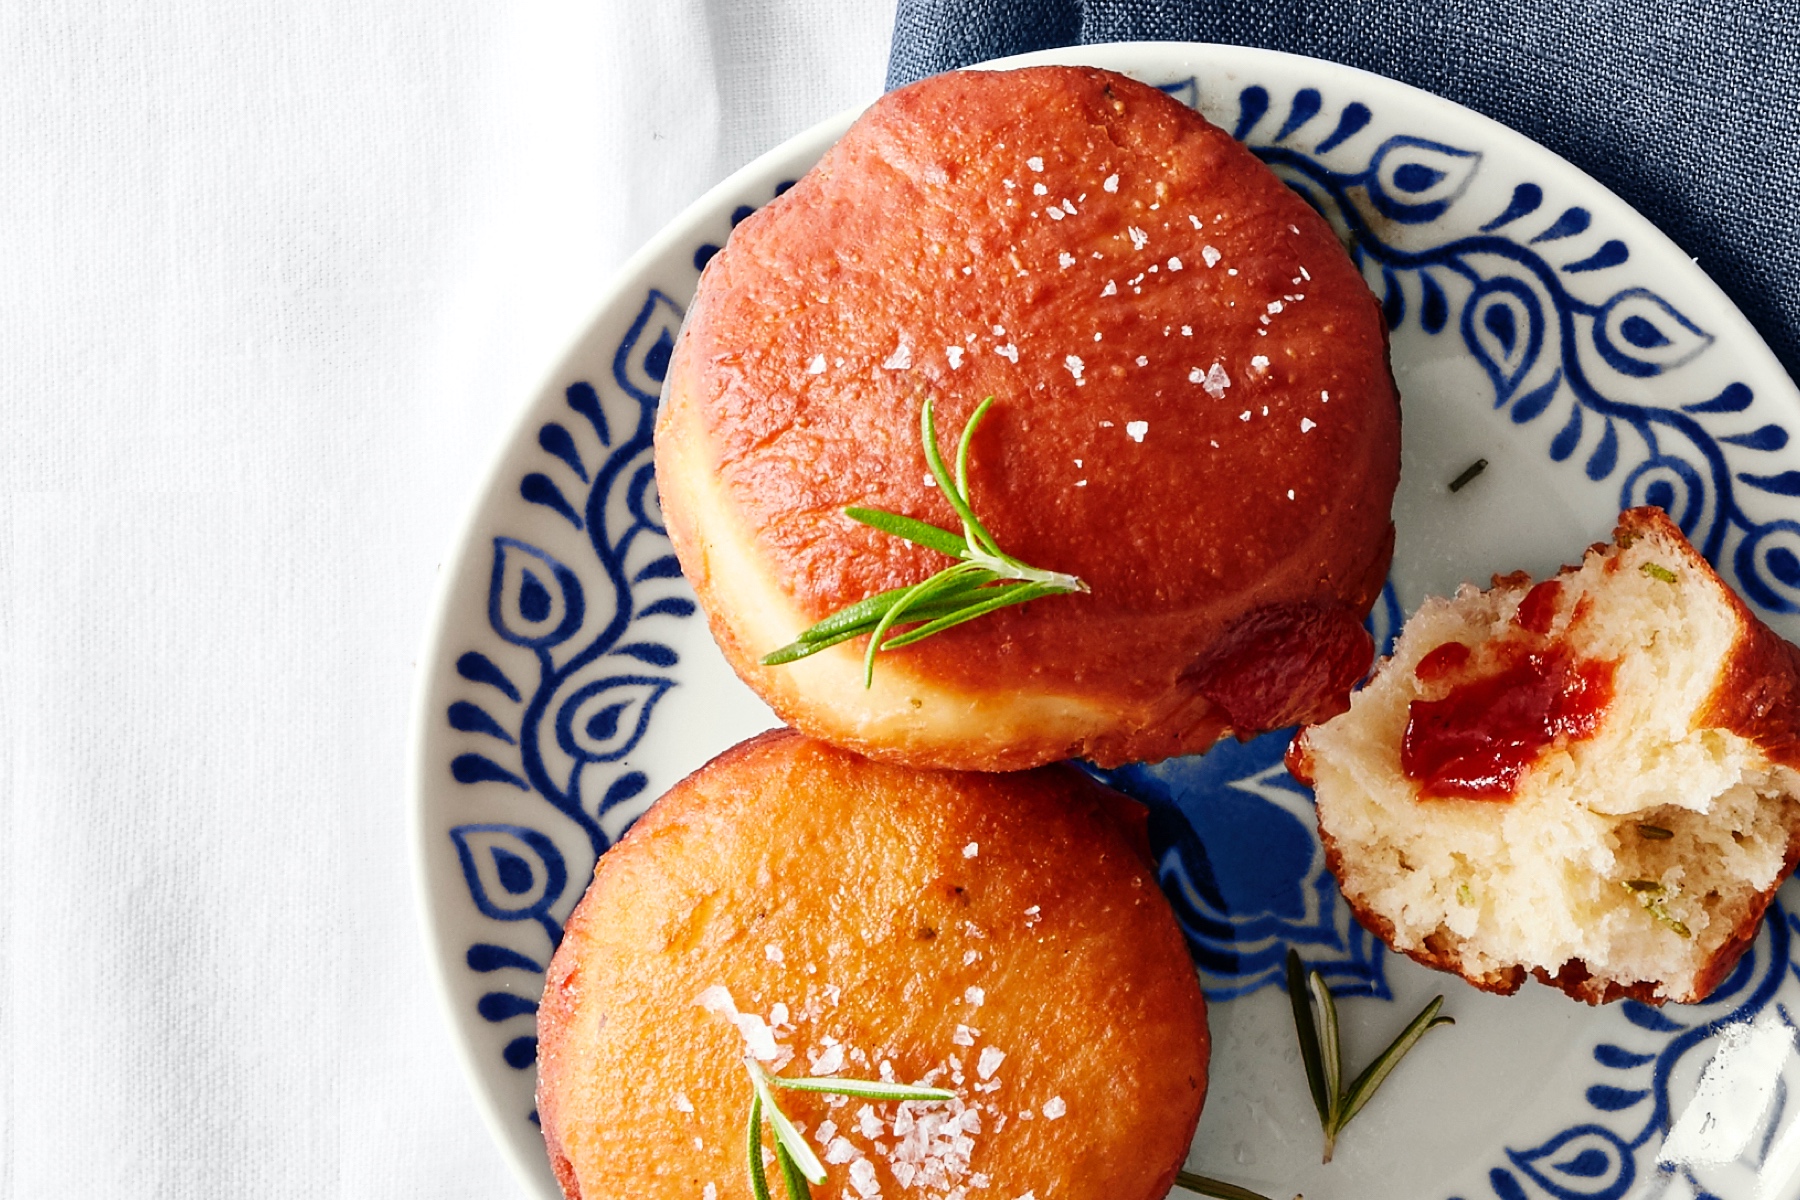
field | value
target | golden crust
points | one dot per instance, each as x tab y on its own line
1757	697
1196	515
858	874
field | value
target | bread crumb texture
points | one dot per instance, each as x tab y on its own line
1633	861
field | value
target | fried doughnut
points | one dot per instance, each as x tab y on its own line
1591	779
999	936
1193	412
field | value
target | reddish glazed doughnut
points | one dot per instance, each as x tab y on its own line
1193	413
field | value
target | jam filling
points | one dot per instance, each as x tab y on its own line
1528	693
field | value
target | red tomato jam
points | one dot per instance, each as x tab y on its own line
1480	738
1538	608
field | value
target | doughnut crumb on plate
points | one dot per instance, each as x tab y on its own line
1590	779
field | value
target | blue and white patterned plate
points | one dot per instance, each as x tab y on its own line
1538	323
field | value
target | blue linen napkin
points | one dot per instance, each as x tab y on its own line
1689	109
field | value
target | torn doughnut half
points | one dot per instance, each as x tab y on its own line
1589	779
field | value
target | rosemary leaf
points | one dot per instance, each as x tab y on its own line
1658	571
785	1133
1003	596
1308	1034
920	532
864	1089
1654	833
1371	1078
1200	1185
759	1182
983	580
1468	475
1330	1052
790	1174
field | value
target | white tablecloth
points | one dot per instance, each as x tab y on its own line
275	280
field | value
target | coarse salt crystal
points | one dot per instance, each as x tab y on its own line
974	995
1195	220
1325	396
778	1014
828	1061
1174	264
816	366
1210	255
1143	360
826	1131
969	956
955	355
971	850
1135	430
1035	163
1196	376
1305	274
1038	189
709	1192
1307	424
1054	1108
773	953
999	331
1056	214
683	1104
1009	352
1217	381
1260	362
1187	331
1231	270
900	359
867	1123
1111	184
964	1036
841	1150
1074	364
1274	306
862	1178
1068	206
991	1058
1138	237
1244	416
1065	260
1111	289
1290	493
978	1180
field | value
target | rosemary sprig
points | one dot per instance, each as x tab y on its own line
984	579
1200	1185
798	1164
1320	1053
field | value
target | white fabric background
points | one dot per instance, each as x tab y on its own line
274	279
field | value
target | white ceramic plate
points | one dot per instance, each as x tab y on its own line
1538	323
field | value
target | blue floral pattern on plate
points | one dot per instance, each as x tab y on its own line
549	736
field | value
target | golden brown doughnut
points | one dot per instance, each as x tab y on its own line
1193	413
1000	936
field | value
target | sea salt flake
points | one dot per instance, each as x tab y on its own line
964	1036
1038	189
1135	430
826	1132
816	366
991	1058
1305	274
1274	306
1217	381
709	1192
978	1180
778	1014
1111	289
1035	163
900	359
999	331
1260	362
1009	352
970	956
1065	260
1054	1108
828	1061
1195	220
955	355
1187	331
773	953
1210	256
1307	424
971	850
1143	360
1244	416
1111	184
1074	364
1056	214
841	1151
683	1104
1174	264
1068	206
867	1123
1138	237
